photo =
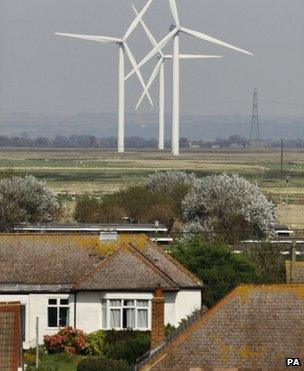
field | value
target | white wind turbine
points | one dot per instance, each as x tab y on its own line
160	70
174	34
123	47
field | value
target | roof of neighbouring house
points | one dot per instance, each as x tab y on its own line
92	228
86	262
298	272
253	327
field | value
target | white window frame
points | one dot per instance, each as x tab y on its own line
121	307
58	305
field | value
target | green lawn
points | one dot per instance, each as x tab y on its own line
59	362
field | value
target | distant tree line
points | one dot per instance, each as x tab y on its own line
74	141
91	141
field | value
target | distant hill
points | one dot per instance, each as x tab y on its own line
145	125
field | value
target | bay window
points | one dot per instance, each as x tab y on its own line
125	313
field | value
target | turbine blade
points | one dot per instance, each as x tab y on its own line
151	80
193	56
199	56
154	51
146	29
210	39
137	19
138	73
174	12
102	39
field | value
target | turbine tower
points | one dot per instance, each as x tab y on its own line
255	134
160	70
174	34
123	48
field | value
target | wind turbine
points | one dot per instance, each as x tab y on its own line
160	70
123	47
174	34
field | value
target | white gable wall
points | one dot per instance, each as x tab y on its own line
187	301
88	309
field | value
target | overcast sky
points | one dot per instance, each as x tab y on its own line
40	72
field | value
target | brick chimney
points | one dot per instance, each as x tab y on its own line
158	318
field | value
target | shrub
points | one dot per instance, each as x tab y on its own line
102	364
130	349
29	358
269	261
113	336
96	343
67	340
143	203
169	329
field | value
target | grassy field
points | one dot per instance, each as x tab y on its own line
73	172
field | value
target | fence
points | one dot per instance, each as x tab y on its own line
10	336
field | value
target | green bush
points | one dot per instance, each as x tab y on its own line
102	364
269	261
137	202
169	329
96	343
113	336
129	349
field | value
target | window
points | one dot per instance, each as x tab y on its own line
58	312
125	313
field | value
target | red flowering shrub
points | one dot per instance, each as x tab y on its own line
67	340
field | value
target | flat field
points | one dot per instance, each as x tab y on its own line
74	172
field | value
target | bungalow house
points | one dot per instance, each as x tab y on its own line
91	282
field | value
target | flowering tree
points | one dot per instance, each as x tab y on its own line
25	200
168	181
228	208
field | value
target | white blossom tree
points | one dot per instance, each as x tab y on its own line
25	200
227	207
168	181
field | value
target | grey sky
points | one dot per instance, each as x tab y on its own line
40	72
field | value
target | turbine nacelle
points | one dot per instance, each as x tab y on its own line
173	27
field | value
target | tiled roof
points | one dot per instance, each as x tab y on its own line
125	269
252	328
164	261
298	272
130	263
46	259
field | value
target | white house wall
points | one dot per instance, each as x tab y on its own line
187	301
170	298
88	316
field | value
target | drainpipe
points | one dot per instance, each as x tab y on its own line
75	301
293	262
